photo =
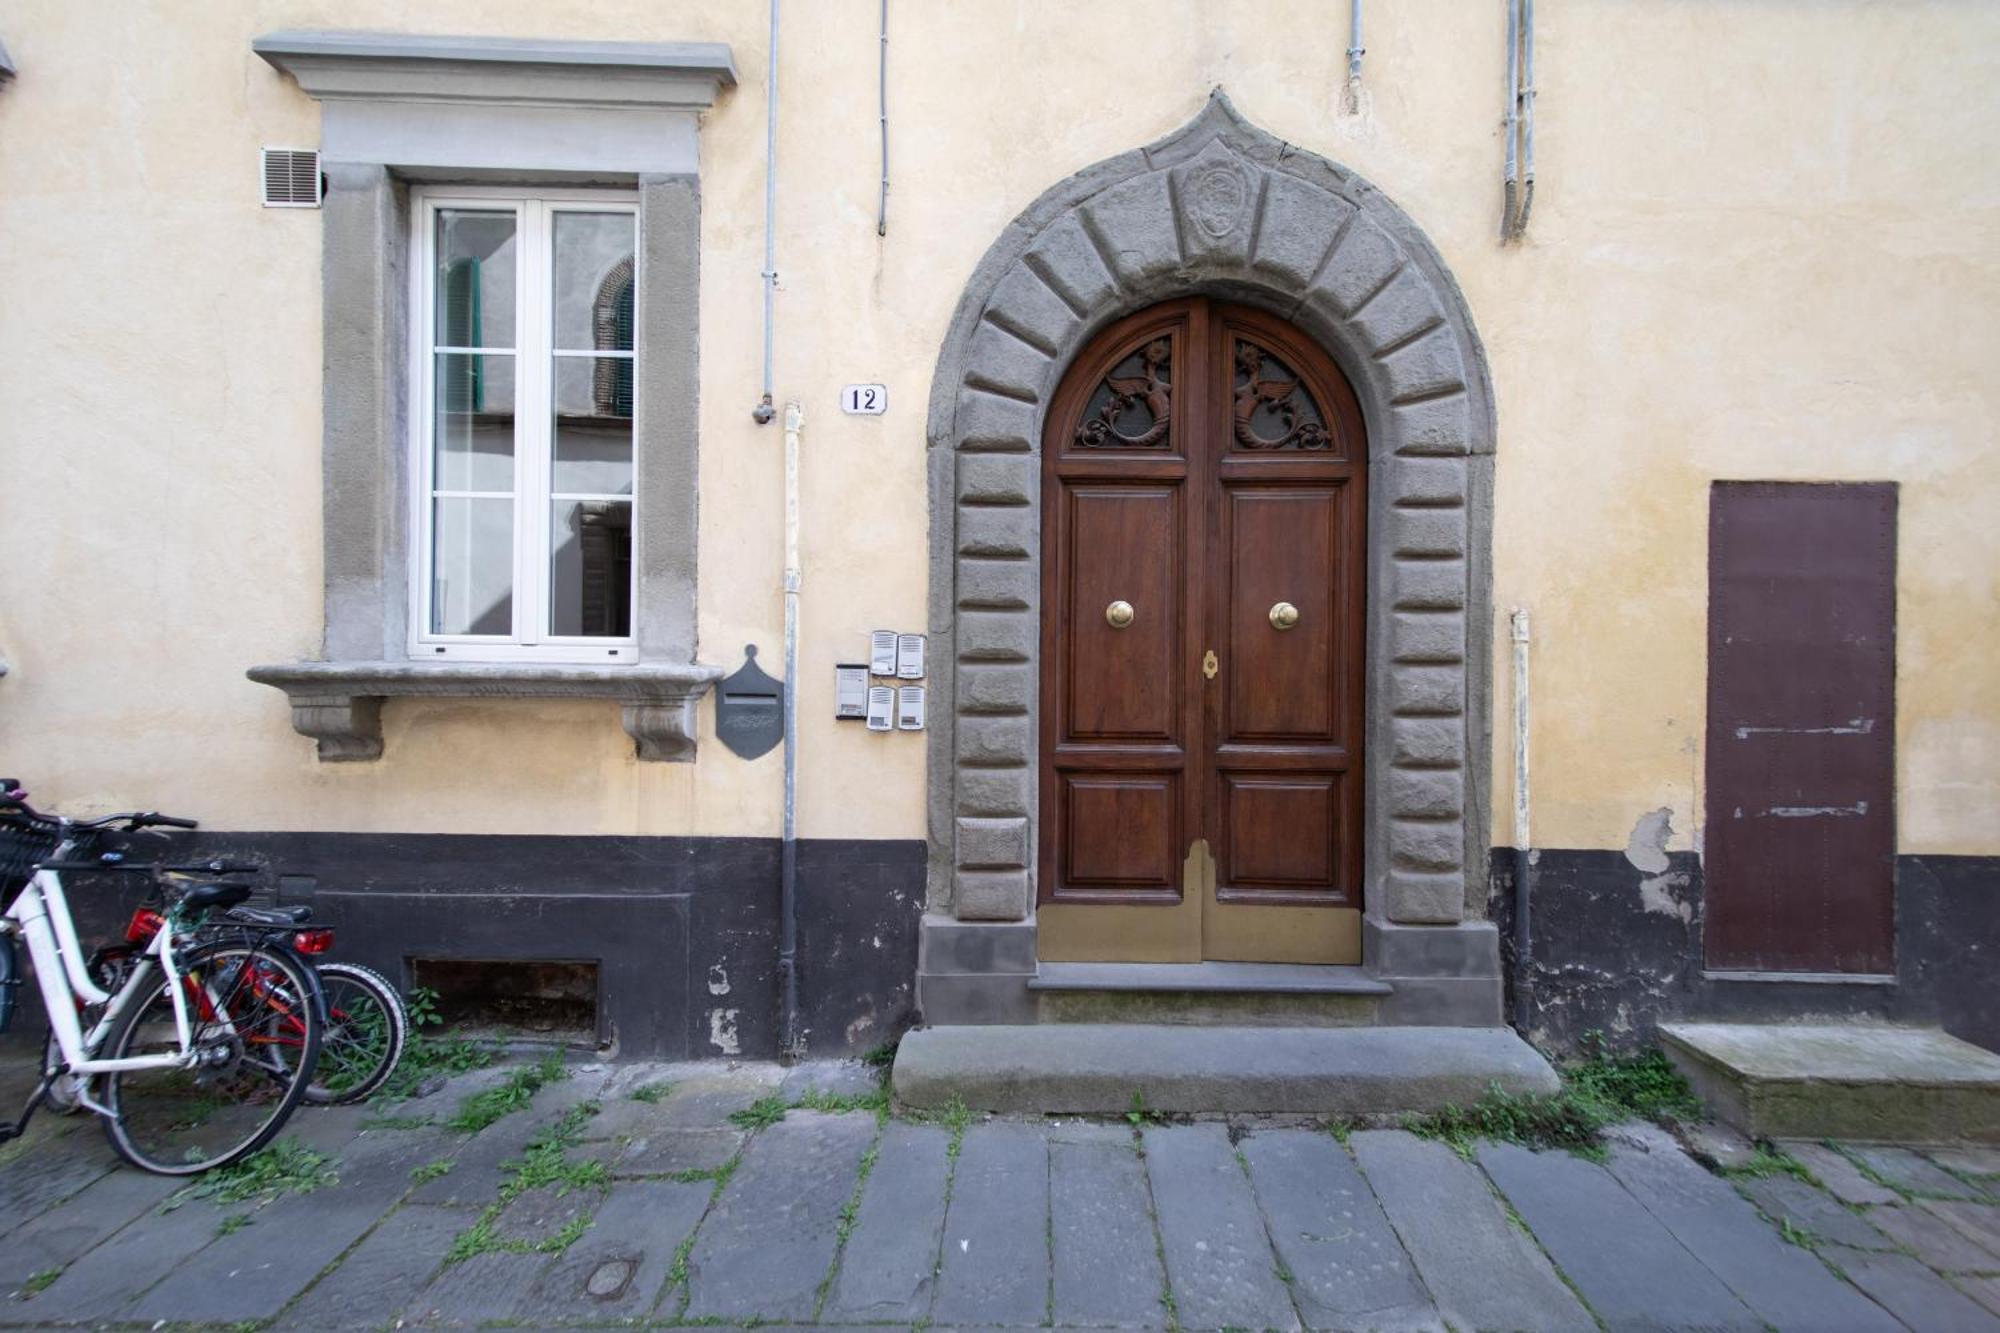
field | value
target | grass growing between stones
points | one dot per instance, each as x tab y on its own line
677	1275
544	1163
848	1212
1768	1161
286	1167
771	1108
38	1283
493	1104
1596	1093
652	1093
430	1171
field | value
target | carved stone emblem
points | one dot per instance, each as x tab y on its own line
1217	198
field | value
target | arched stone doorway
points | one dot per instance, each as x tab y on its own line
1223	209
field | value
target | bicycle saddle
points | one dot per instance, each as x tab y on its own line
271	916
204	896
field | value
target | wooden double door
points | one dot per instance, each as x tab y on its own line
1204	576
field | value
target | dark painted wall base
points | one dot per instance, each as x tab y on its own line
1617	951
683	930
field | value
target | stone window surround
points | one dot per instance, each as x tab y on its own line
1223	208
400	109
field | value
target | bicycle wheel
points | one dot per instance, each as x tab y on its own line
365	1033
256	1036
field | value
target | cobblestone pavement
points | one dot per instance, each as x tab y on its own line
847	1216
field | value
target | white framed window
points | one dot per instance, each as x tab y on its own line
523	457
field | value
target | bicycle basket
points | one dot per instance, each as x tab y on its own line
24	841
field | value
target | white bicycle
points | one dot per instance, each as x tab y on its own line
198	1057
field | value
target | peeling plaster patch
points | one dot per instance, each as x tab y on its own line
1860	726
1667	894
1646	849
1817	811
722	1031
718	980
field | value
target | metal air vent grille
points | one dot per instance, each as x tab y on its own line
291	178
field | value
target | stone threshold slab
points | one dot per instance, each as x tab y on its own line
1861	1081
1098	1067
1220	978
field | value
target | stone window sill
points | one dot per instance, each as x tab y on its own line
339	704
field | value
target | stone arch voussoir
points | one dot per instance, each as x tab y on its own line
1224	208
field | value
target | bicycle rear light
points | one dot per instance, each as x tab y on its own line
313	941
144	925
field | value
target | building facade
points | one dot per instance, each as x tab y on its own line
1331	492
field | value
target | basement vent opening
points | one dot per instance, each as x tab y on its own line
546	1001
291	178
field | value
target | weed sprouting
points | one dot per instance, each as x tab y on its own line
286	1167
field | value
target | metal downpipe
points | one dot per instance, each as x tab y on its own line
790	1043
764	411
1524	940
1510	180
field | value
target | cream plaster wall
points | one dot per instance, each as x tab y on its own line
1766	244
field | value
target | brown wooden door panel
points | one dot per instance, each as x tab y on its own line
1280	545
1281	831
1123	544
1202	463
1799	847
1145	857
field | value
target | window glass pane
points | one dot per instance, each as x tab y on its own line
590	568
593	281
475	278
593	426
472	566
475	422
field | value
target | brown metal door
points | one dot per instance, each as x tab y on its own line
1800	843
1204	560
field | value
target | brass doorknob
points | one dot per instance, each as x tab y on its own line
1119	614
1284	615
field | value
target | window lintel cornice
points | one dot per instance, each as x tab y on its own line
347	65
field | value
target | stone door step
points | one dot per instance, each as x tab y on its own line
1223	978
1097	1067
1870	1082
1225	994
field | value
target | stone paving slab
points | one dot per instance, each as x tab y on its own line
1627	1265
1107	1260
383	1275
1907	1171
1985	1290
835	1078
1219	1259
1933	1239
74	1226
1483	1271
252	1273
1978	1222
538	1215
1842	1178
486	1288
1787	1286
666	1151
620	1267
888	1271
1348	1269
996	1249
1967	1160
769	1239
103	1281
1911	1292
1786	1199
